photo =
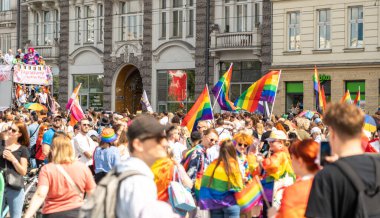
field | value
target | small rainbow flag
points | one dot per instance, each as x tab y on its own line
346	98
322	99
357	99
262	90
221	90
201	110
316	80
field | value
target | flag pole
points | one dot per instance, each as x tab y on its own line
212	112
216	99
275	95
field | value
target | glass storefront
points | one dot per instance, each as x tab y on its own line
294	97
91	91
175	90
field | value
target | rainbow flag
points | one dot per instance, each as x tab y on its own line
262	90
357	99
218	188
322	99
201	110
316	80
346	97
73	97
221	90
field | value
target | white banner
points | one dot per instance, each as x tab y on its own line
32	74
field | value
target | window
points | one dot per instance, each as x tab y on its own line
57	23
48	27
294	97
324	29
91	91
89	23
177	18
227	19
242	18
131	20
5	42
354	87
243	75
5	5
100	23
294	31
356	27
37	28
190	17
78	34
163	19
175	89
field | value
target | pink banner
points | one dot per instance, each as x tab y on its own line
32	74
5	72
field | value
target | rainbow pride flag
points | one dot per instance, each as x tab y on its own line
357	99
346	97
218	188
316	80
262	90
322	99
201	110
221	90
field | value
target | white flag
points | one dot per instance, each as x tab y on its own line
145	103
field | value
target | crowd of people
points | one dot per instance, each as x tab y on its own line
222	158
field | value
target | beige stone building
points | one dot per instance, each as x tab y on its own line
342	38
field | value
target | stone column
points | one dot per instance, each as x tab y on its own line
24	26
107	60
371	94
64	52
146	71
266	36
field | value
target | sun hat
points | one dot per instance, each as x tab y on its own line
108	135
277	135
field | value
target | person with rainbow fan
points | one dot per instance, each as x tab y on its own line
278	166
221	180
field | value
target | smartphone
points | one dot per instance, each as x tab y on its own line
324	151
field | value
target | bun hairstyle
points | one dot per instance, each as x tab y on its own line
307	150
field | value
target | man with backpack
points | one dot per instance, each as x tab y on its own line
350	186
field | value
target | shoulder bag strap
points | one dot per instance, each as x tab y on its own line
352	176
69	179
35	131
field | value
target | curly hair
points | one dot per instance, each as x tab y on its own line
243	137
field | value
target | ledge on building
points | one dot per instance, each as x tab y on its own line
291	52
353	50
322	51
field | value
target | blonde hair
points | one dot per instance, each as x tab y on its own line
303	123
62	150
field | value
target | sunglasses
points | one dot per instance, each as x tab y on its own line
13	130
86	124
242	145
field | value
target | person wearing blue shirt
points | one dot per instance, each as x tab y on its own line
106	156
47	138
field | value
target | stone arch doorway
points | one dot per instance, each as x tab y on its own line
129	89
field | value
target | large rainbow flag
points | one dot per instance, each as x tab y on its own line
262	90
201	110
346	98
320	97
221	90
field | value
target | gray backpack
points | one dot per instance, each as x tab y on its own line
102	203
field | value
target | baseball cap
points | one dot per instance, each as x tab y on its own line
145	126
317	120
277	135
92	133
57	116
315	130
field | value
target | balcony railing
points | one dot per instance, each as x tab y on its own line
48	52
235	40
7	18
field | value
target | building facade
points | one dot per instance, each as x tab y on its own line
119	48
341	38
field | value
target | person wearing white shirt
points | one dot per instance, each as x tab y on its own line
42	97
176	147
84	145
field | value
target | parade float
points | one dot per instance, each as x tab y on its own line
22	75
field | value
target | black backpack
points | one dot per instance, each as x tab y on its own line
368	198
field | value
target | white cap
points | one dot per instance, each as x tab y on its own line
315	130
277	135
92	132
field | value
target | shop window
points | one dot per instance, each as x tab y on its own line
294	97
354	87
175	89
91	91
